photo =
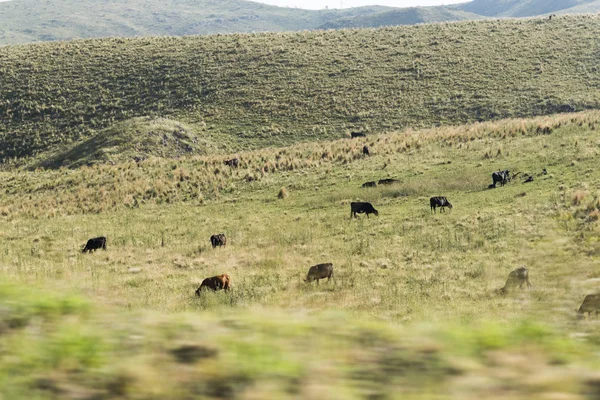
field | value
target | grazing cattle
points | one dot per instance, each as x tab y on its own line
232	163
439	201
366	150
590	304
501	176
369	184
219	282
320	271
518	277
387	181
357	134
361	207
218	240
95	244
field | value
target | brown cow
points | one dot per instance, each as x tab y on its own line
590	304
215	283
518	277
320	271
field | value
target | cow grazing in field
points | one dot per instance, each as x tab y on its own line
387	181
320	271
366	150
95	244
357	134
361	207
218	240
232	163
439	201
501	176
518	277
369	184
590	304
214	283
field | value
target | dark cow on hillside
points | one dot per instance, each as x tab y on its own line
232	163
218	240
387	181
501	176
369	184
590	304
366	150
214	283
95	244
362	207
518	277
357	134
439	201
320	271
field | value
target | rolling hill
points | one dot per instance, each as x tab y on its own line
522	8
252	91
403	16
25	21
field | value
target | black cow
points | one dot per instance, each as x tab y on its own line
369	184
366	150
387	181
439	201
232	163
361	207
357	134
320	271
95	244
218	240
501	176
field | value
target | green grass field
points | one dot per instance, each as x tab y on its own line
240	92
413	311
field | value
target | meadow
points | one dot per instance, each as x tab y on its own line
413	311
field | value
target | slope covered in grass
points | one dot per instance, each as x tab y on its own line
251	91
25	21
413	309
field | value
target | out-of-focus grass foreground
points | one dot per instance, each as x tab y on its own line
413	311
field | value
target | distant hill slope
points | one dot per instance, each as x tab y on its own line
403	16
250	91
519	8
591	7
25	21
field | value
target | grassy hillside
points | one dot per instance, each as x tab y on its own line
251	91
520	8
404	16
413	309
25	21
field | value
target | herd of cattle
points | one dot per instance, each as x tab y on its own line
517	278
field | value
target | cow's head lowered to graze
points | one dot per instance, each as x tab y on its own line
95	244
517	278
320	271
362	207
214	283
